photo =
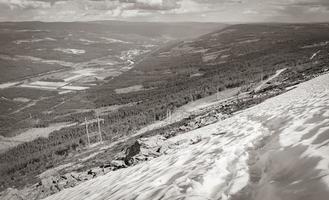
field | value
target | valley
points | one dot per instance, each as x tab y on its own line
192	96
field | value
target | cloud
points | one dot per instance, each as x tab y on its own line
250	12
304	4
300	11
156	4
312	3
212	2
24	4
142	4
172	10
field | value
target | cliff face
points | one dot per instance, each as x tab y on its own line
275	150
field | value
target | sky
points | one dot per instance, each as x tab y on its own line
232	11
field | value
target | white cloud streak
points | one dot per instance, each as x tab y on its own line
166	10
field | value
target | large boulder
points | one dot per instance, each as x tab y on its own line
132	151
146	149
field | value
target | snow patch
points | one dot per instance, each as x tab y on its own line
34	40
112	40
71	51
78	88
216	167
321	44
315	54
7	85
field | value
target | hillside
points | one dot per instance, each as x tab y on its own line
47	64
236	55
165	80
275	150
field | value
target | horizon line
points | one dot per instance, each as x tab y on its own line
171	22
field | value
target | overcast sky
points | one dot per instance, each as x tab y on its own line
166	10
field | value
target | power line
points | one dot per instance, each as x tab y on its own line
97	133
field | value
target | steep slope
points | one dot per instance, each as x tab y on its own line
275	150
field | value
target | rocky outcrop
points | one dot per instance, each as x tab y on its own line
143	149
55	183
198	122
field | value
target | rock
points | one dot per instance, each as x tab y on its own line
182	142
184	128
84	176
72	180
132	151
118	164
50	185
120	156
196	140
53	184
171	133
92	173
218	133
154	145
146	149
49	173
75	175
140	158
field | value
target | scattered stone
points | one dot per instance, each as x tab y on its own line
118	164
49	185
196	140
120	156
219	133
181	142
90	172
170	134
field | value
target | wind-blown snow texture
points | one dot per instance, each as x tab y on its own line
217	167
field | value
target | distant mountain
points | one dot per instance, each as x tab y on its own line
240	49
236	55
178	30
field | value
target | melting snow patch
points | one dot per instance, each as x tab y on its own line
44	85
71	51
111	40
7	85
64	92
34	40
321	44
74	88
87	42
316	53
21	99
217	166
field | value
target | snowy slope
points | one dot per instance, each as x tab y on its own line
276	150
